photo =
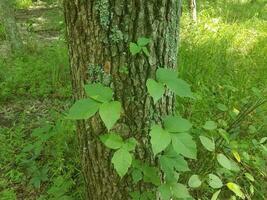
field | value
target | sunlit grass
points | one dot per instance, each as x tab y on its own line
23	3
219	52
222	58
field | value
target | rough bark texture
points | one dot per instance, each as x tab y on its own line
99	33
8	19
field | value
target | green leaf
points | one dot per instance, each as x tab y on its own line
224	161
207	143
166	75
83	109
214	181
234	166
136	176
210	125
148	196
180	191
263	140
36	182
222	107
130	144
40	175
169	163
175	124
145	50
215	195
224	135
249	177
184	144
155	89
236	156
122	160
160	139
194	181
165	191
134	48
151	174
99	92
110	113
135	195
41	131
236	189
233	197
180	88
112	140
142	41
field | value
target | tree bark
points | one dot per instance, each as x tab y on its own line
192	4
99	33
7	17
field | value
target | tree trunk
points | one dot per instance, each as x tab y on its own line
7	17
99	33
192	4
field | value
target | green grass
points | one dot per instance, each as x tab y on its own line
223	57
40	72
23	4
2	33
37	157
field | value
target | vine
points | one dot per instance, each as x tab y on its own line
172	142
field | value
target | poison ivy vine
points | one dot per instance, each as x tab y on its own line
172	142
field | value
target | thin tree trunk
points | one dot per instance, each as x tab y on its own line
193	9
99	33
7	17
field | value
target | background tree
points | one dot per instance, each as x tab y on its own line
192	4
7	17
99	33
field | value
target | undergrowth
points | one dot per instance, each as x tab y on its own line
38	162
223	56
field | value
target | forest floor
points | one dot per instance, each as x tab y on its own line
35	91
223	56
41	26
41	22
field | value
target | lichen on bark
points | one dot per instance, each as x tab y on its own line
103	9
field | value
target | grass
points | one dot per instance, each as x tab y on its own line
35	88
35	166
2	33
40	72
23	4
223	56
